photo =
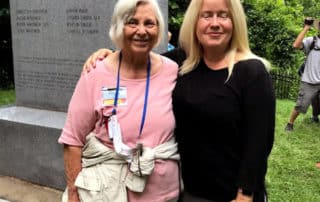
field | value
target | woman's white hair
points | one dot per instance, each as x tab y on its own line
123	11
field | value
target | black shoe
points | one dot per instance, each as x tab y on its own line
289	127
315	119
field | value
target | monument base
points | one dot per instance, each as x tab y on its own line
28	145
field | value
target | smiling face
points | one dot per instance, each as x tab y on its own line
214	25
141	30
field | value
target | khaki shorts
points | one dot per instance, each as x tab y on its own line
306	93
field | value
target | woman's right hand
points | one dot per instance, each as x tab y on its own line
91	61
73	196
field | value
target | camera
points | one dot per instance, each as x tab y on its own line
308	21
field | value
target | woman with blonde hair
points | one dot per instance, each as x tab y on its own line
224	105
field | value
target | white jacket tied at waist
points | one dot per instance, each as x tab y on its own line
104	175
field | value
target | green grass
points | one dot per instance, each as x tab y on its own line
7	97
292	175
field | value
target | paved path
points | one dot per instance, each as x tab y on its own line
15	190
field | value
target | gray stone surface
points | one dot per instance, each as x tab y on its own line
36	117
28	145
16	190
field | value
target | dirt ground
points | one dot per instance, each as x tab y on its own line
15	190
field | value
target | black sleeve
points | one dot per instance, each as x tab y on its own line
258	109
178	55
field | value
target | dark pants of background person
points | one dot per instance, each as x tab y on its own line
316	106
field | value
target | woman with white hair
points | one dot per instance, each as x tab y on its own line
224	105
118	136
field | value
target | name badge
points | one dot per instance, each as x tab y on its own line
113	126
108	96
115	135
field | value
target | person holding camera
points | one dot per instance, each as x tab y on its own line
310	79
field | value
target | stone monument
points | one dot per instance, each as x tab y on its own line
51	40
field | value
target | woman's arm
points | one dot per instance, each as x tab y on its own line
72	164
258	121
177	55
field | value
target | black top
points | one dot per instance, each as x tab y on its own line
225	130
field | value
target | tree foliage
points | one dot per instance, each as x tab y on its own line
272	28
310	7
6	66
177	9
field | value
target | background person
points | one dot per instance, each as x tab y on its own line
221	90
310	79
170	46
125	105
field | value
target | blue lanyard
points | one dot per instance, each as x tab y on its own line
114	111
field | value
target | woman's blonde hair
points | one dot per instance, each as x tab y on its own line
239	41
123	11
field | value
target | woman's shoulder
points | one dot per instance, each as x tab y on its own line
105	64
250	69
253	65
102	69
